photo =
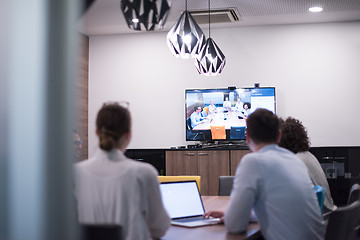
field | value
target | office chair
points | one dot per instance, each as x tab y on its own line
218	132
188	124
180	178
354	193
237	133
204	113
343	222
193	135
100	232
207	110
225	185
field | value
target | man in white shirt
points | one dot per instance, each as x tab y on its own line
196	117
239	105
212	107
276	184
227	104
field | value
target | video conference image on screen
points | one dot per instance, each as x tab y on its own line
220	114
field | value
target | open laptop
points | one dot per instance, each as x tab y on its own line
184	205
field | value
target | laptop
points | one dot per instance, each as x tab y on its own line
184	205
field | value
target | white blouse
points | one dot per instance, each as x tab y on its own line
113	189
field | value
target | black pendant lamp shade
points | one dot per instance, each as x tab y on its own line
185	39
211	61
146	15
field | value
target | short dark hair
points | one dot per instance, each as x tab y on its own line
263	126
294	135
112	122
196	107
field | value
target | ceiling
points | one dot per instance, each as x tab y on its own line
105	17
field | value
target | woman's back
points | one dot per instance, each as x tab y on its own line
112	189
318	177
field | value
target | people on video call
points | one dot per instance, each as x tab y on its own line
246	110
196	117
239	105
227	104
212	107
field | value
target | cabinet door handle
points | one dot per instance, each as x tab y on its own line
190	154
204	154
139	159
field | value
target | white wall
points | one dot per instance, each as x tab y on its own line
314	67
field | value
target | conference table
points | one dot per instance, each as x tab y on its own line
212	232
227	119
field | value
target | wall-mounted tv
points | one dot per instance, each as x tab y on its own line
220	114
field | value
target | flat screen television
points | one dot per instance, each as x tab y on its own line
220	114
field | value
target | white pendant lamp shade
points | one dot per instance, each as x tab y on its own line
146	15
185	39
211	61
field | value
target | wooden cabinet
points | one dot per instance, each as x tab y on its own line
211	165
235	157
208	164
181	163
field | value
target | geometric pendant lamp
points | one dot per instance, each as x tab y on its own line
210	61
185	39
146	15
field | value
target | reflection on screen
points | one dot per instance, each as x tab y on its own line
181	199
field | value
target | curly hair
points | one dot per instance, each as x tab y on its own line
294	135
248	104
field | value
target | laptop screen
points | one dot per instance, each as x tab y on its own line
181	199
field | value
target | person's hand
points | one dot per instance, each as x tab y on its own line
215	214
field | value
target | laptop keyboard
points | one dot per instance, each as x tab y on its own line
190	219
197	222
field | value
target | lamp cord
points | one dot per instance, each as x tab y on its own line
209	18
185	5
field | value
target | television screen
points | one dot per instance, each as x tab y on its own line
220	114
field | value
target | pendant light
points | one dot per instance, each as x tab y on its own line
146	15
185	39
210	61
